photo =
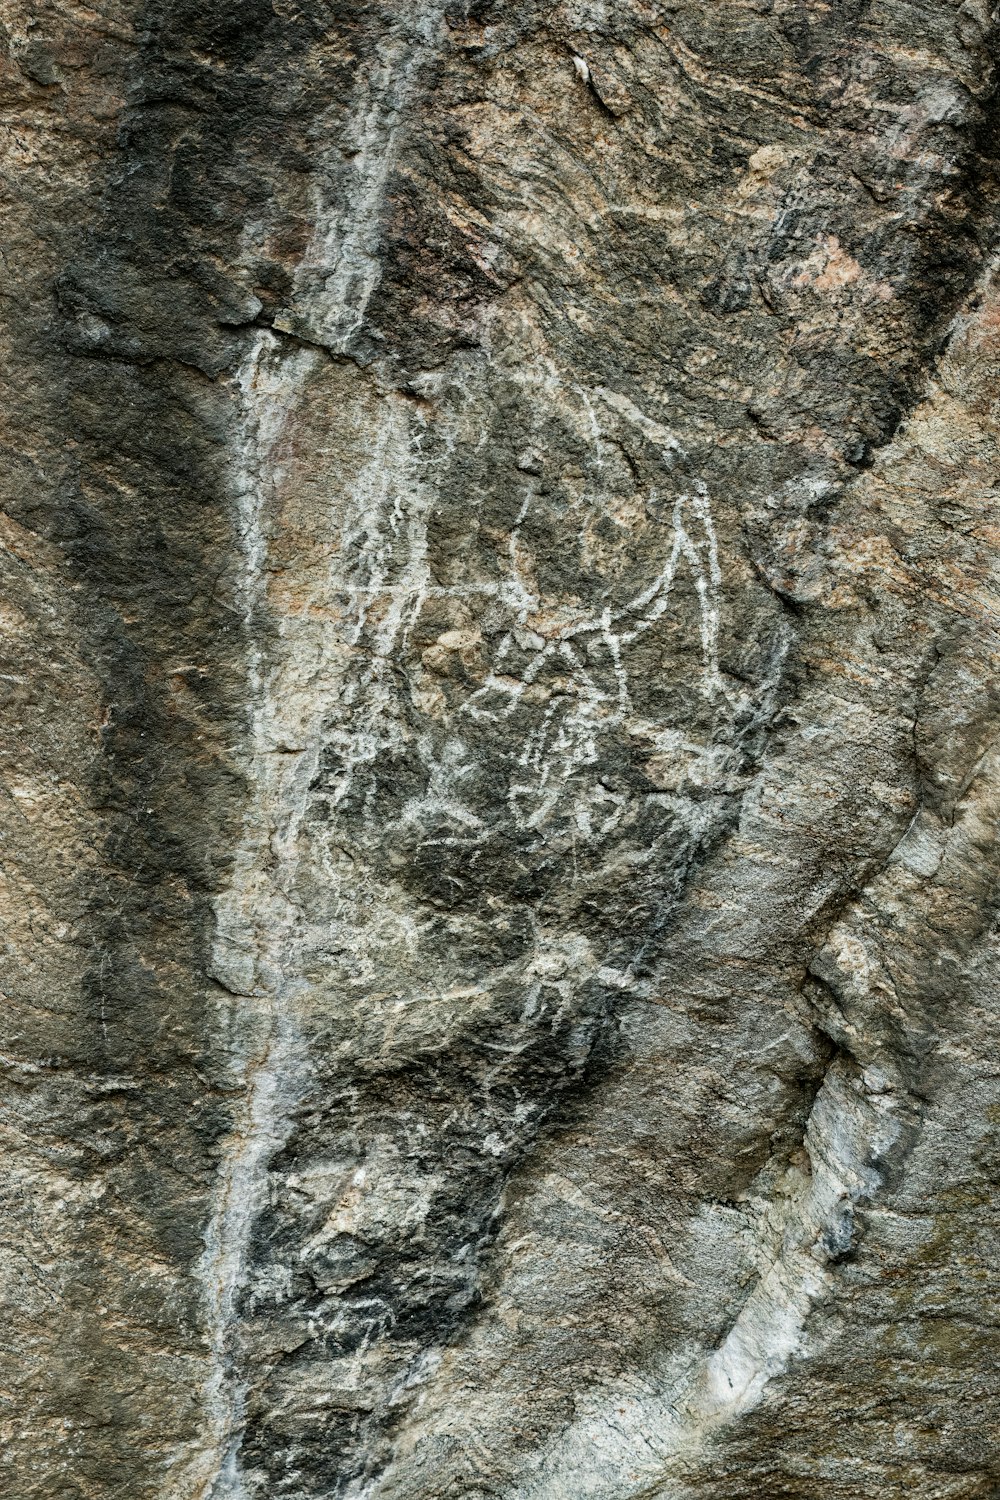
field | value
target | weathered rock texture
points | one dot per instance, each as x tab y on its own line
500	749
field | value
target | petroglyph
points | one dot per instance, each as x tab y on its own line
499	568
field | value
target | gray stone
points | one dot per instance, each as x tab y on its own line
499	741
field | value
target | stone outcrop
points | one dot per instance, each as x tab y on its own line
500	750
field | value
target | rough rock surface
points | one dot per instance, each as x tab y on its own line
500	753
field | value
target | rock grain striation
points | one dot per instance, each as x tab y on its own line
500	750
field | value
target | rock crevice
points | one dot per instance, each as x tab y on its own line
498	752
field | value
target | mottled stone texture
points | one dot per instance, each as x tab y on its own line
500	750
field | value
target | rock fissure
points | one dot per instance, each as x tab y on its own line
498	738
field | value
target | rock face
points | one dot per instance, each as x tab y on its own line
501	750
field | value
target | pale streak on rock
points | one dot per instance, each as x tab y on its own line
629	1445
611	854
294	686
342	266
255	955
255	932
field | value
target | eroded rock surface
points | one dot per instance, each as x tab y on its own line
500	762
